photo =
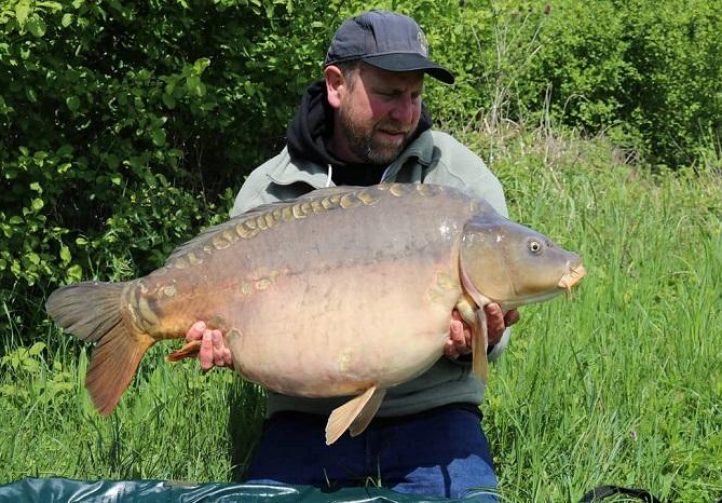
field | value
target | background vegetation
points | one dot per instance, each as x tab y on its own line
126	127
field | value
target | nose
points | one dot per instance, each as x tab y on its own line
404	109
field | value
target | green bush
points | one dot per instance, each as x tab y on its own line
648	74
123	124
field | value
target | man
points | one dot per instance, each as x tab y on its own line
363	124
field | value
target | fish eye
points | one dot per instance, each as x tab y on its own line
535	247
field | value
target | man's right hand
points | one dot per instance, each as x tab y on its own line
213	351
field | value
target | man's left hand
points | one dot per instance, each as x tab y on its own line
459	342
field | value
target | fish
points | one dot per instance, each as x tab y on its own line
343	292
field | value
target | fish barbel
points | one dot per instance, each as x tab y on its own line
343	292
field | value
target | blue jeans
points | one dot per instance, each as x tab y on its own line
442	452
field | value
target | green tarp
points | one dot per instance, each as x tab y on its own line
61	490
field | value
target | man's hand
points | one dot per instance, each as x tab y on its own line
213	351
459	342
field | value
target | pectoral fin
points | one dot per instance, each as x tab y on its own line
479	345
355	414
475	317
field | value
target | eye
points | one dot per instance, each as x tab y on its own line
535	247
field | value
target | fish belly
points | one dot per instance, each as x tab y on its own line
337	332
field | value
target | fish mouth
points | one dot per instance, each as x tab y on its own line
571	278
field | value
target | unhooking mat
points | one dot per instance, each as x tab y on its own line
61	490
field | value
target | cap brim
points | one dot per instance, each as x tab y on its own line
409	62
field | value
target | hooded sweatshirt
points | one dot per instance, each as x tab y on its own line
312	127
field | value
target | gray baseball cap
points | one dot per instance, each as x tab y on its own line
386	40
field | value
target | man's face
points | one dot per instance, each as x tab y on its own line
378	113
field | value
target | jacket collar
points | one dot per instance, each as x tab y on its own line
289	171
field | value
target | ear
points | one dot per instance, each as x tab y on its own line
336	85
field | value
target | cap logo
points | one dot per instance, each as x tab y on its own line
421	38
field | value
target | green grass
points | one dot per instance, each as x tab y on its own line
623	384
620	385
173	423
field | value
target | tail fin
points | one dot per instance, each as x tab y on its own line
91	311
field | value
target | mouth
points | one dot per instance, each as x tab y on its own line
394	135
572	277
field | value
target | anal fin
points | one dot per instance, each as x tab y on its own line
189	350
355	414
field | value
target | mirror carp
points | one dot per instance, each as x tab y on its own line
342	292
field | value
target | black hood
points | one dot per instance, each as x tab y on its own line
312	125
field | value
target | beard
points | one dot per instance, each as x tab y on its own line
364	143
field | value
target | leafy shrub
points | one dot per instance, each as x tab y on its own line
122	126
646	73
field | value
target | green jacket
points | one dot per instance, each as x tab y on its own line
434	157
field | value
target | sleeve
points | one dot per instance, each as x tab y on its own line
254	191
